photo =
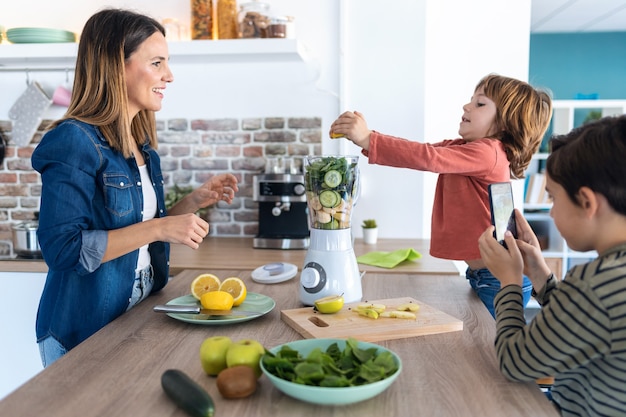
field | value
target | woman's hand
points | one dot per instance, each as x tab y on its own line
506	265
221	187
353	126
187	229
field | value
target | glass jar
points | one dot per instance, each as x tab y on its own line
254	20
227	25
281	27
201	19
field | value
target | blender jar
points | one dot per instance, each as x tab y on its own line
331	184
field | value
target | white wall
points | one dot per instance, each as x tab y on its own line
408	65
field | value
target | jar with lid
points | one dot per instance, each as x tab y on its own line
254	20
201	19
227	24
281	27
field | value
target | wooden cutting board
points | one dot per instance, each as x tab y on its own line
347	323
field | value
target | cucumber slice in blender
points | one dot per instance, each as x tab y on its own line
331	225
333	178
330	198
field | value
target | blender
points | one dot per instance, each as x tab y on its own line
330	266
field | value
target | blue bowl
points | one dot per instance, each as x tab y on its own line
328	395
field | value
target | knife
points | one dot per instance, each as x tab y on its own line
186	309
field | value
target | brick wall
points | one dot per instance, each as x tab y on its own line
191	152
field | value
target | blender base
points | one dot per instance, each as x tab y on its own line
330	268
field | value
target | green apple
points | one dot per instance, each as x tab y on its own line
245	352
213	354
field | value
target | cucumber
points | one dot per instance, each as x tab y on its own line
333	178
331	225
330	198
187	394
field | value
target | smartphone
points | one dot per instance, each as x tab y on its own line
502	210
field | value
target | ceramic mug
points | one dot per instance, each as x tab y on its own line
62	96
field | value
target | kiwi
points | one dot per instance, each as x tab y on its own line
238	381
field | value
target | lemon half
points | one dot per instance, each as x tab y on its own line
204	283
236	288
330	304
217	300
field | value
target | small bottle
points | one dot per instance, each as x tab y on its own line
281	27
227	24
201	19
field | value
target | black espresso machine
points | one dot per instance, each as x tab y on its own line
283	216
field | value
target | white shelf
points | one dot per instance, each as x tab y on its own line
538	214
59	56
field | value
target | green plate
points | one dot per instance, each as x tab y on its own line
254	302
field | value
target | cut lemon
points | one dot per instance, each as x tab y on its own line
330	304
236	288
204	283
217	300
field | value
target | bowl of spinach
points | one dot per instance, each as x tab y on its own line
331	371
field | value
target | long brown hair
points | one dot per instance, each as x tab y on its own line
523	115
99	95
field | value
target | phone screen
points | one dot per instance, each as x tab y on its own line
502	214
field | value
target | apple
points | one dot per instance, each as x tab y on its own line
213	354
246	352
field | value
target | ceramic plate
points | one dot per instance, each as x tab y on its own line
254	302
39	35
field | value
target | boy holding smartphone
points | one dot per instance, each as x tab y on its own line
579	336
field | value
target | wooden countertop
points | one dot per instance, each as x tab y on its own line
238	253
23	265
117	371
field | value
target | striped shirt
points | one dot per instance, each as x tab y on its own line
579	336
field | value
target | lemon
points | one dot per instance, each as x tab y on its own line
330	304
236	288
217	300
204	283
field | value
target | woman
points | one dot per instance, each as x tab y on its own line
103	227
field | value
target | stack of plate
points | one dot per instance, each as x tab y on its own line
39	35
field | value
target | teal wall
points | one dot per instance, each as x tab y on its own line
579	63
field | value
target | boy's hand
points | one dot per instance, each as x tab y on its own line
535	267
506	265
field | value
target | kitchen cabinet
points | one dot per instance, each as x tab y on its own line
566	115
19	354
62	56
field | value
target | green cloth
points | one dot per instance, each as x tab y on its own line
388	259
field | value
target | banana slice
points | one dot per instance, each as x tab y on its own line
408	307
395	314
368	312
379	308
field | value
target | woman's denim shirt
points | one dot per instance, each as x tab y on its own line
89	189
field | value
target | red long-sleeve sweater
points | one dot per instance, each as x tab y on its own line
461	206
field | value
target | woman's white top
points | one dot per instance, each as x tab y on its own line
149	211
